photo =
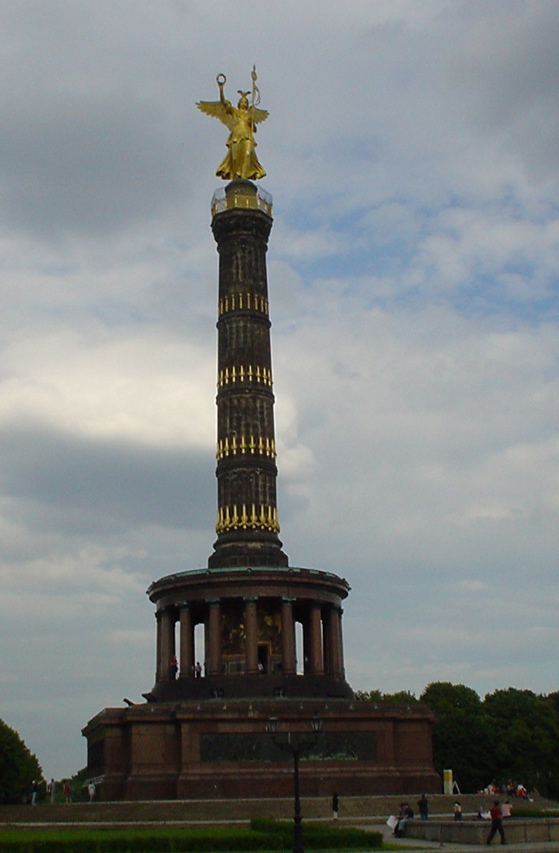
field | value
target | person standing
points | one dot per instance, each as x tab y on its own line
457	810
91	791
496	823
34	792
423	806
335	806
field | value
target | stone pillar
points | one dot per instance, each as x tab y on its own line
251	637
327	642
167	642
186	642
316	656
334	643
287	637
341	643
157	615
306	644
214	651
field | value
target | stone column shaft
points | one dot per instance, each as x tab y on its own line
167	643
251	636
214	654
341	643
287	637
316	656
186	643
327	643
158	615
334	643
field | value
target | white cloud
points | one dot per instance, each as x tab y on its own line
137	386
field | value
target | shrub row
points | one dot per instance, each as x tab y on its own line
319	836
263	835
135	841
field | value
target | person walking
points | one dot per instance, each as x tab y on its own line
335	806
496	823
423	806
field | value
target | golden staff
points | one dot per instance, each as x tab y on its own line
255	91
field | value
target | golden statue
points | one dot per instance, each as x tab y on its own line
241	160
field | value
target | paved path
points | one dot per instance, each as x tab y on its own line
419	844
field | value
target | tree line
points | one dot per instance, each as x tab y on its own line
509	736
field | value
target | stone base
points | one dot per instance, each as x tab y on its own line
222	749
476	831
258	687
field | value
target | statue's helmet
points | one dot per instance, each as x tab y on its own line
243	100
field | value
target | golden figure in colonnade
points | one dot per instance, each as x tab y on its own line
241	161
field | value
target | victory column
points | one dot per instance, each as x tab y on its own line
271	647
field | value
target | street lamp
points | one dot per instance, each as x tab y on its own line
296	743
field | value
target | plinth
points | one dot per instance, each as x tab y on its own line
221	748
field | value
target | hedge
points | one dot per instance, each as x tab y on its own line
263	835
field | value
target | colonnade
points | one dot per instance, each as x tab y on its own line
322	637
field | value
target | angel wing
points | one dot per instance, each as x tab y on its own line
218	110
259	115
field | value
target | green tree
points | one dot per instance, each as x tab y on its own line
446	698
402	697
525	728
369	696
461	737
18	766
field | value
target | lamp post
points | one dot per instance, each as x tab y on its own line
296	744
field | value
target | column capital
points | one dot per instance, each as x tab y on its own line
250	599
213	601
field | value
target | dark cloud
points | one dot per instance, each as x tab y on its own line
87	485
507	66
85	164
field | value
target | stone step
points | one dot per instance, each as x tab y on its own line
352	809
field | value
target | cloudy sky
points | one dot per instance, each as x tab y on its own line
412	151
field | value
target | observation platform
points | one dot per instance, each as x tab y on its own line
242	195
